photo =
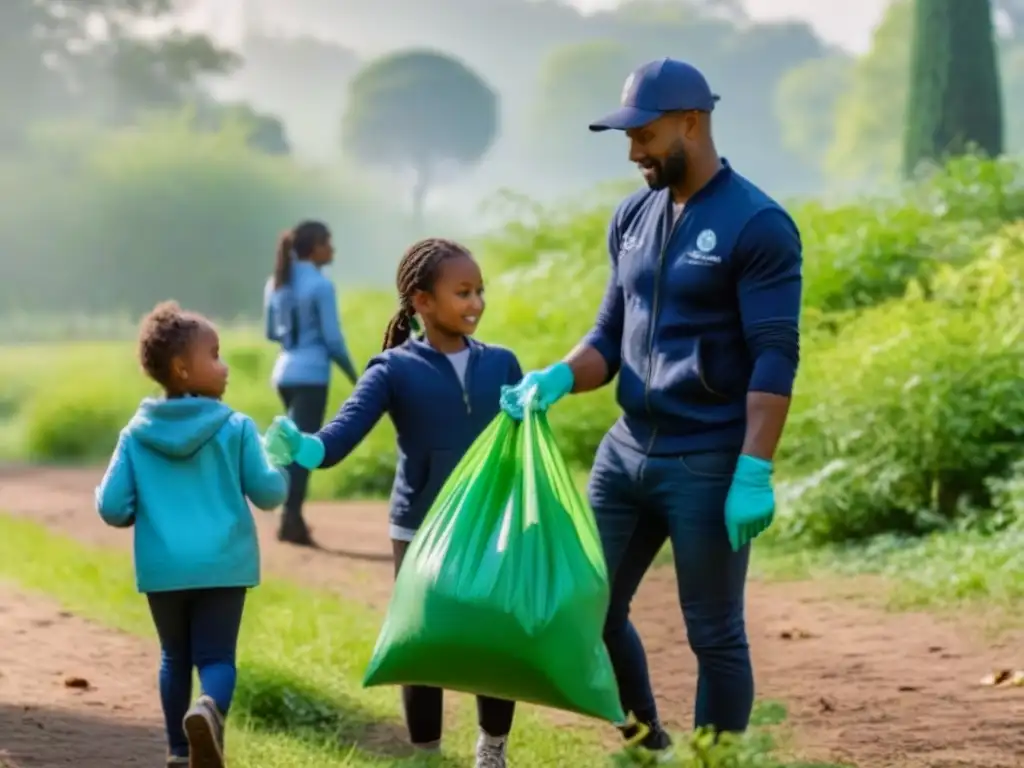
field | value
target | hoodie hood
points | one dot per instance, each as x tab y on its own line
178	428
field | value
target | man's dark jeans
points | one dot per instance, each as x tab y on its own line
306	406
640	502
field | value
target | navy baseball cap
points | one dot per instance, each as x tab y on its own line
661	86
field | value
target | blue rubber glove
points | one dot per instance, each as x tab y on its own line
285	444
538	390
750	505
276	445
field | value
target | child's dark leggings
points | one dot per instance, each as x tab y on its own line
197	628
424	707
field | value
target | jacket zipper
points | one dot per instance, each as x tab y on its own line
465	382
673	222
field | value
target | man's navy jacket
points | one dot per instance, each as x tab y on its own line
699	312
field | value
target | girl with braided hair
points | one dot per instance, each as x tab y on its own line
441	388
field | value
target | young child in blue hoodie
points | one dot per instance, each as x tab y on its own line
181	473
441	390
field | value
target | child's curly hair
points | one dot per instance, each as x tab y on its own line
164	334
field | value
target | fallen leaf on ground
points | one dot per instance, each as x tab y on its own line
795	634
1004	677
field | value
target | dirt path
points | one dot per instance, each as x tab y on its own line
71	692
875	689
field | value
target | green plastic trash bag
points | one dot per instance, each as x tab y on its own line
504	589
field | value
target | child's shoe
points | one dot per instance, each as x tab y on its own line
650	737
204	726
491	751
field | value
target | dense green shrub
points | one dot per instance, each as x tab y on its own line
902	420
79	420
105	223
1008	497
973	191
866	251
862	253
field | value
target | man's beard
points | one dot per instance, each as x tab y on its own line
668	172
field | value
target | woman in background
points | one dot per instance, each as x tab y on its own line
301	313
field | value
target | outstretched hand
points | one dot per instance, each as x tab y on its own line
285	444
282	441
538	390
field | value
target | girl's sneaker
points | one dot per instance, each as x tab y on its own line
204	726
649	737
491	751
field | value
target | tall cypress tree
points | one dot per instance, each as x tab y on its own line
955	101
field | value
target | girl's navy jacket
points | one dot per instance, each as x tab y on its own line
436	418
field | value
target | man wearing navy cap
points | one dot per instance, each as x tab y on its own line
700	320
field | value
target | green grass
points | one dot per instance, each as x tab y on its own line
949	573
300	702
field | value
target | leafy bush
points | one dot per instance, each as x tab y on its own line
906	415
864	252
1008	497
79	421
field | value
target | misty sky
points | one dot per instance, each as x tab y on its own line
847	23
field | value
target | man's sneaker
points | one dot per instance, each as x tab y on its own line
204	727
650	737
176	760
490	751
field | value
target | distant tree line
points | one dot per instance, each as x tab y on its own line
85	60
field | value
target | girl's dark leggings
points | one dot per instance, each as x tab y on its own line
198	628
424	707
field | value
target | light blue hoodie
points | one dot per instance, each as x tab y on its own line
303	318
181	473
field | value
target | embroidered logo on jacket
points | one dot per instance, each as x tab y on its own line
706	241
703	256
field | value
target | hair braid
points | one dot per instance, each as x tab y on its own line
417	271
